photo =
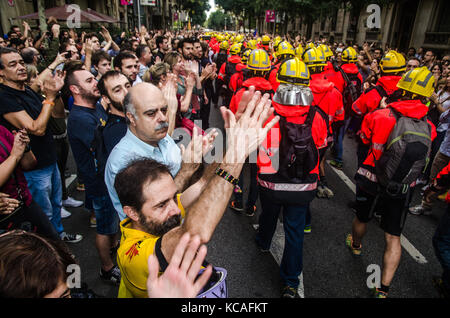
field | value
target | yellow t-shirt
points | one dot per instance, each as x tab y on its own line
132	257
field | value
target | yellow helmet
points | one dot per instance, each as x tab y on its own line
285	50
326	51
240	38
258	60
393	62
310	45
293	71
349	55
276	43
265	40
418	81
299	51
251	44
314	57
245	56
235	49
224	45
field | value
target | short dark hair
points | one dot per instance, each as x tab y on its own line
100	55
32	266
90	36
6	50
28	55
130	181
185	40
123	56
159	40
141	50
101	83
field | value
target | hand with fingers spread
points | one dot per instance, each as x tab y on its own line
245	135
198	147
179	278
52	85
7	204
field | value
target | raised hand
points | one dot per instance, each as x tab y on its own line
179	278
245	135
21	140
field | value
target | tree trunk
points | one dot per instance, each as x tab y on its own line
163	13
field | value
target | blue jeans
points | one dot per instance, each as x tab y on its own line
46	190
441	244
294	224
338	138
106	215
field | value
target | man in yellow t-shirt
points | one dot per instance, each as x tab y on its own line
135	248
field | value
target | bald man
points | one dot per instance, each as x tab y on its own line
146	137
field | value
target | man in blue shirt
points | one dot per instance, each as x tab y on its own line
85	116
146	114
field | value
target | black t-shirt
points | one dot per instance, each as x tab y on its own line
12	101
115	129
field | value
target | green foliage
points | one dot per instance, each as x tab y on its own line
216	21
196	9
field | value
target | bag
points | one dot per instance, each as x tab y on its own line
352	90
297	151
188	125
394	97
216	287
98	149
405	155
230	69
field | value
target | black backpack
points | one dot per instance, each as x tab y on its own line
230	69
298	153
405	154
352	90
394	97
98	150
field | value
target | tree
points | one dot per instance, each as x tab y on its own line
196	9
218	19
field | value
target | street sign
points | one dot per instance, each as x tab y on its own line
151	3
270	16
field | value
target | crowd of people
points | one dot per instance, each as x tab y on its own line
123	105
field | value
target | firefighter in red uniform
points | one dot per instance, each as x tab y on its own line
345	77
265	45
284	51
237	78
288	178
258	66
329	100
392	65
227	69
391	197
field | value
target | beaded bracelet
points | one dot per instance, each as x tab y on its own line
234	181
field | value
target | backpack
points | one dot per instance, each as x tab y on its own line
298	153
98	150
230	69
394	97
405	155
352	90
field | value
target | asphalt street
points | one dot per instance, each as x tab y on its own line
330	270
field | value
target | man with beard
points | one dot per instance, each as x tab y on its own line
113	87
146	114
128	64
83	120
155	207
23	108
